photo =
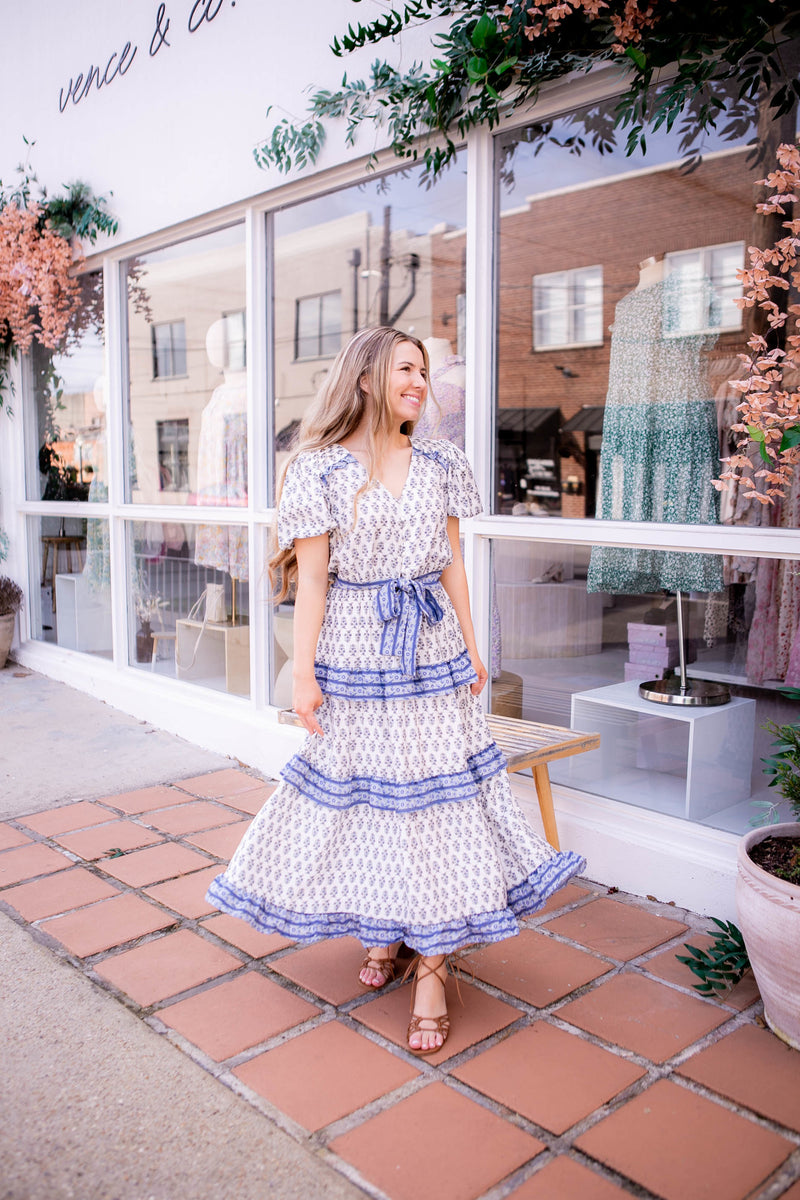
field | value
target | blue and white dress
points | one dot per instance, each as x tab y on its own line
399	823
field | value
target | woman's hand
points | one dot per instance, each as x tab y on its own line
306	699
483	675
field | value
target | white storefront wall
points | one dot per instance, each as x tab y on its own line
172	139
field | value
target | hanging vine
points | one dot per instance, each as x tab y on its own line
694	64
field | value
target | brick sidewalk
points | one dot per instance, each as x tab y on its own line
582	1065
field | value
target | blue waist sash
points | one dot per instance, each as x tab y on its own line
401	604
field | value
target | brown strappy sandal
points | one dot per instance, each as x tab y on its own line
440	1025
387	967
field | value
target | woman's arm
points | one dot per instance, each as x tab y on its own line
454	582
309	609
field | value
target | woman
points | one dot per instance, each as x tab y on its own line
394	822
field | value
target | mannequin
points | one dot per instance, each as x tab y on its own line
222	462
660	449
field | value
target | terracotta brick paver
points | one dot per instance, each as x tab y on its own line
471	1022
57	893
220	842
155	864
236	1015
436	1143
145	799
533	1072
306	1080
329	969
29	861
219	783
12	837
564	1179
666	966
192	817
643	1016
238	933
536	968
756	1069
187	894
109	923
171	964
679	1145
97	842
619	930
582	1066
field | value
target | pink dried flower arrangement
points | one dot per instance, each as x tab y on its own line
39	294
770	410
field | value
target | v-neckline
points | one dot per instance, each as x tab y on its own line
380	483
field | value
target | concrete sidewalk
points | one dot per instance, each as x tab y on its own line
93	1105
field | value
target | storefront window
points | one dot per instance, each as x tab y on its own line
617	331
66	424
187	394
70	566
384	252
566	653
189	603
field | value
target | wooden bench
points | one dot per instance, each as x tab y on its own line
523	744
530	744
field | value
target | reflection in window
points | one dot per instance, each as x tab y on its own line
189	603
708	287
65	446
318	326
169	349
635	334
575	657
74	608
385	251
568	308
187	385
173	455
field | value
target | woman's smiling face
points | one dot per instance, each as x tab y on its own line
407	385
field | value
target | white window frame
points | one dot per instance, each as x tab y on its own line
322	333
704	256
570	278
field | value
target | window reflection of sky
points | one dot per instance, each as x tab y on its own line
414	207
528	174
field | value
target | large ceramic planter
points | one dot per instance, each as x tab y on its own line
769	917
6	636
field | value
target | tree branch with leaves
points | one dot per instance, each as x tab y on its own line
687	62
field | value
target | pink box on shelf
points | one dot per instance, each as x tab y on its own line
652	635
654	656
641	672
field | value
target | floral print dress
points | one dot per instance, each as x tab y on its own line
399	823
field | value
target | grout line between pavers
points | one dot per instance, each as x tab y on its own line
750	1114
787	1175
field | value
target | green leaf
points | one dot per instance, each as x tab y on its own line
637	57
756	434
790	439
483	31
477	68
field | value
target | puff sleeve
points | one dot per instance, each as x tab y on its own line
303	510
463	498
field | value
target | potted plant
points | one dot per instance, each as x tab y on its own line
768	892
10	602
148	605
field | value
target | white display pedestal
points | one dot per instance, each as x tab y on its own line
222	651
83	617
686	761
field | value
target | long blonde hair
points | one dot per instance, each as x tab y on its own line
339	408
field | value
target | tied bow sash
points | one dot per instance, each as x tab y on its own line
401	604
